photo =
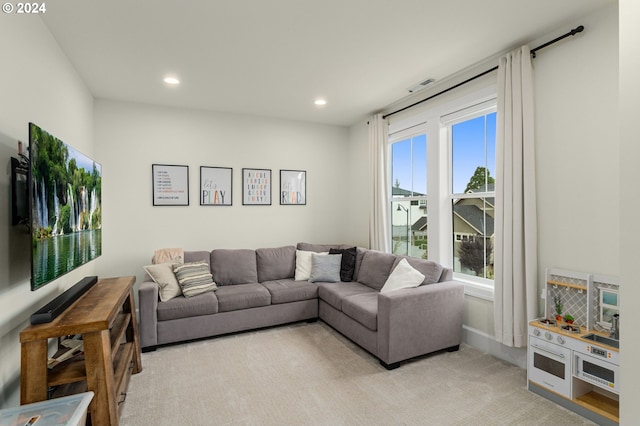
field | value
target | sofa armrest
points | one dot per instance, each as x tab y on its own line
148	310
418	321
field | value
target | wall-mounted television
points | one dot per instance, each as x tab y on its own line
65	193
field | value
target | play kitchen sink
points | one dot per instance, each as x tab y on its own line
602	339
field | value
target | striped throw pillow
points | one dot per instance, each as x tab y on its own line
194	278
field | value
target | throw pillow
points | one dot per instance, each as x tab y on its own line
348	264
162	274
325	268
194	278
403	276
168	255
303	264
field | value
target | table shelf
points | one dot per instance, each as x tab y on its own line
105	318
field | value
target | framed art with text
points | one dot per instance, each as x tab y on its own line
256	187
293	187
170	185
216	186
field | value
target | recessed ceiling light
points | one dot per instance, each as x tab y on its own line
171	80
320	102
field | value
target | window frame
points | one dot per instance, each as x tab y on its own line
401	136
476	286
432	121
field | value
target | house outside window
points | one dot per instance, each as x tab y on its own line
472	140
442	192
409	194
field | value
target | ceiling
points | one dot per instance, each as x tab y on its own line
275	57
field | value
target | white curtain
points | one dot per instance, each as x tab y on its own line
515	255
379	184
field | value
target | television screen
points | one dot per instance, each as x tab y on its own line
66	214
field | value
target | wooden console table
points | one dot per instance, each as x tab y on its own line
105	317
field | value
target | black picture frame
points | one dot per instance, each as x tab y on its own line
256	187
293	187
170	184
216	186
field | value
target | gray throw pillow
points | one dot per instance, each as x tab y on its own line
325	268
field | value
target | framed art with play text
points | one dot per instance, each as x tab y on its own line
170	185
216	185
256	187
293	187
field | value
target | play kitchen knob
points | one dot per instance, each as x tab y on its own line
561	340
548	335
536	332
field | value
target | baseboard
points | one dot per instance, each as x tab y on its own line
488	344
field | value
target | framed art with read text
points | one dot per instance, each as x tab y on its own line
216	186
293	187
256	187
170	185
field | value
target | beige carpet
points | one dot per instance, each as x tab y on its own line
308	374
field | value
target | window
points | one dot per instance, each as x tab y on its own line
408	194
442	195
608	306
472	141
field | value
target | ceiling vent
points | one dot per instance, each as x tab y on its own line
419	86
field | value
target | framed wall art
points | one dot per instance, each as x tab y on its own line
170	185
293	187
256	187
216	186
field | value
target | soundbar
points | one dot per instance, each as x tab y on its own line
57	306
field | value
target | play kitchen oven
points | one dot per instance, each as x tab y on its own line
574	365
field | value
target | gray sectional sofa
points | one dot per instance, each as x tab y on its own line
257	288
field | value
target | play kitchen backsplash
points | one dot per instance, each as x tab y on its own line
573	354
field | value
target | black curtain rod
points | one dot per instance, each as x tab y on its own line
533	51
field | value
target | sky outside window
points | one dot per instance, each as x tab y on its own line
474	145
409	164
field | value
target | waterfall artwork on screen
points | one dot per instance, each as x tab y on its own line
65	192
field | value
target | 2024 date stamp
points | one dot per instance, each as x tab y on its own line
24	8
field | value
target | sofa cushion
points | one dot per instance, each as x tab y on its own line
285	291
359	256
402	276
375	268
325	268
194	278
276	263
237	266
334	293
182	307
320	248
242	296
348	263
362	308
431	270
162	274
197	256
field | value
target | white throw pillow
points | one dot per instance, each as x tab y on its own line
162	274
303	264
403	276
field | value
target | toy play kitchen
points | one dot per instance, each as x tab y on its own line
573	356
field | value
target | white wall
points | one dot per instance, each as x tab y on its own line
577	150
37	84
629	207
131	137
577	155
